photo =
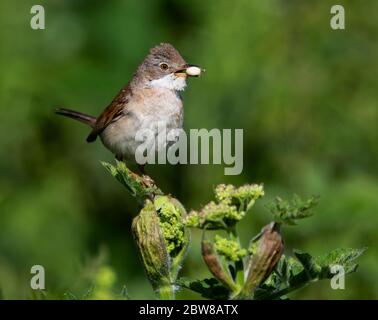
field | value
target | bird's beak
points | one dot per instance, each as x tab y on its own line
190	70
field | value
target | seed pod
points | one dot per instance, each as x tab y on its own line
151	244
261	264
212	261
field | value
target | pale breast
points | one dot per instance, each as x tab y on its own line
148	109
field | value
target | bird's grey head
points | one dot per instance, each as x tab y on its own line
163	67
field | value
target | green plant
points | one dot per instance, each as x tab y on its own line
258	271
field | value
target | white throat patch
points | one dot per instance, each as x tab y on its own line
170	81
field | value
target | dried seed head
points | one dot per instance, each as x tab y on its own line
269	251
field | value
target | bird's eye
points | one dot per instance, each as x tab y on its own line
163	66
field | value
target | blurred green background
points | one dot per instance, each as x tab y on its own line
305	95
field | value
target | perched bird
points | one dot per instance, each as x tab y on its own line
151	96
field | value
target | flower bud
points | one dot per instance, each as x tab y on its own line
229	249
162	241
268	253
151	243
230	207
213	263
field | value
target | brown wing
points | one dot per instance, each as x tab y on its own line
112	113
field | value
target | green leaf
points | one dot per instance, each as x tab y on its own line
293	275
287	268
345	257
266	292
209	288
287	212
309	264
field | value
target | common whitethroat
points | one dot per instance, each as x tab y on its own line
151	96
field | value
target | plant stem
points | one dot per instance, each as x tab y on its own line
239	267
166	292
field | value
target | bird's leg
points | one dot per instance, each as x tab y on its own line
119	157
140	166
141	169
142	172
145	176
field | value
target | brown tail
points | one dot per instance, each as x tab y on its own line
89	120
